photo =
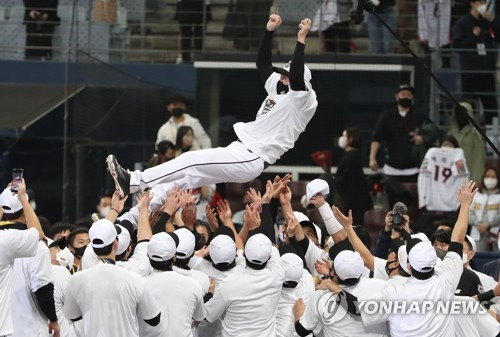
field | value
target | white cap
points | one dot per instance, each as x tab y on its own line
348	264
102	233
422	257
258	248
307	71
317	186
471	241
302	217
403	258
10	202
222	249
421	236
123	240
293	266
304	201
187	242
161	247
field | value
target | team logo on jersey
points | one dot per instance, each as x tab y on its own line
268	105
460	166
333	307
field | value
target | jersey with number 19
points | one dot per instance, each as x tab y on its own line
441	174
280	121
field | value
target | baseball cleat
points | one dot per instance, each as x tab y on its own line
120	175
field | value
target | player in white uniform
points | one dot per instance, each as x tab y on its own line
14	244
282	117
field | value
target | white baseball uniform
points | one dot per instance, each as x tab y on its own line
279	122
13	244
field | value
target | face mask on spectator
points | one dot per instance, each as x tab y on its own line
342	142
63	257
465	258
405	102
490	183
105	211
79	251
481	9
177	112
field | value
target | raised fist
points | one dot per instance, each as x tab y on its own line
274	22
304	28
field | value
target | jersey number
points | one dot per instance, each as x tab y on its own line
445	172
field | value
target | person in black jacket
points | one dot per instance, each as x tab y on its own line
192	17
40	18
398	128
475	34
350	182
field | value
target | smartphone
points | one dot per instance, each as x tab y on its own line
17	176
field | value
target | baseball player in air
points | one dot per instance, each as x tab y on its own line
283	116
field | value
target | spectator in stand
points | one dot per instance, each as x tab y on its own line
469	139
484	217
252	13
185	140
40	18
350	182
475	35
193	16
381	40
177	107
333	19
165	151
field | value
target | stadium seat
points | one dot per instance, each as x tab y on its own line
374	223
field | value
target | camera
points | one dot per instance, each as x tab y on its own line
398	211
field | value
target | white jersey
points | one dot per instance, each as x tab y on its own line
13	244
442	172
285	320
439	287
110	301
196	275
180	299
324	309
280	121
61	278
138	263
248	300
30	274
474	323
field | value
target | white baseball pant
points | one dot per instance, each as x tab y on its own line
234	163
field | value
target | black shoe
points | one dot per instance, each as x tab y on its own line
120	176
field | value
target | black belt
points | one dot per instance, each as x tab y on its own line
266	164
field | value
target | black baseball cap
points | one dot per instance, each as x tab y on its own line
405	86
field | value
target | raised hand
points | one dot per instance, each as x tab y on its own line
274	22
286	195
144	199
255	197
279	183
224	210
21	190
323	267
298	308
211	218
251	218
203	252
266	198
292	225
117	202
328	284
304	28
173	202
189	215
345	221
466	193
186	197
318	200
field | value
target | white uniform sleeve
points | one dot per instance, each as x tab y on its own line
451	269
199	312
372	318
21	243
379	268
271	83
216	306
312	255
89	258
147	308
311	316
304	101
274	263
40	268
139	262
71	308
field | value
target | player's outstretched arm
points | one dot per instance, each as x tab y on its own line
297	64
264	55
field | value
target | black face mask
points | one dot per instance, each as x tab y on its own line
177	112
79	251
405	102
389	270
